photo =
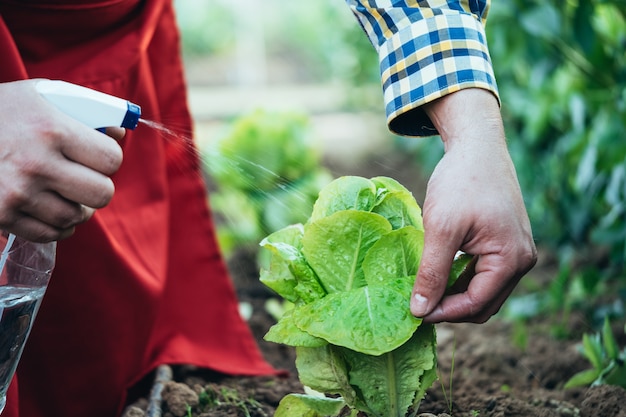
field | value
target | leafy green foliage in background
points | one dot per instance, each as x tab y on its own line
267	172
608	362
325	37
206	26
322	38
561	70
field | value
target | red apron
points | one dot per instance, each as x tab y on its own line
143	282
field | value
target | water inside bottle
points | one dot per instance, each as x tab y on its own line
18	308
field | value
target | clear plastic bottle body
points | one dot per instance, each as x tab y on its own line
25	271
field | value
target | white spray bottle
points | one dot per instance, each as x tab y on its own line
93	108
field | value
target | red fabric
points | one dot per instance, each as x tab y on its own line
12	407
142	283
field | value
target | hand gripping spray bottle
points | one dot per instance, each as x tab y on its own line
26	267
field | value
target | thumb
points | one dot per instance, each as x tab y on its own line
432	276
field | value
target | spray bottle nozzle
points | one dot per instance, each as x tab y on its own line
93	108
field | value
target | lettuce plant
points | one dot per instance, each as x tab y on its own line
266	166
349	272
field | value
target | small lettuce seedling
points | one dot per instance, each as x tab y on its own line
608	362
349	272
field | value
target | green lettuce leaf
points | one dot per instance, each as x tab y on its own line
400	208
372	320
397	204
309	406
388	183
426	332
462	266
396	254
278	277
286	331
324	369
388	383
335	246
289	274
345	193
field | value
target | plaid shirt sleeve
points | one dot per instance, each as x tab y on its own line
427	49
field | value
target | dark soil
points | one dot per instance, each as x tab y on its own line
492	376
494	373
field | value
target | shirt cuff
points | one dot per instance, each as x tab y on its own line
429	59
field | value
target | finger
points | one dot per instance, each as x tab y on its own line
82	185
91	148
464	307
485	295
432	276
56	211
35	230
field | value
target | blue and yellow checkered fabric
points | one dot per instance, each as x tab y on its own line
427	49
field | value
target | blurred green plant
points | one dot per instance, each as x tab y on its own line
327	38
317	43
267	173
206	26
562	78
608	362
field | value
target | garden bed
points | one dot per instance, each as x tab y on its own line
492	376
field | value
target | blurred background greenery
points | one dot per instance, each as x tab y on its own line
561	71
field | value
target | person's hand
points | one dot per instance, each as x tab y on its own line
474	204
54	171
